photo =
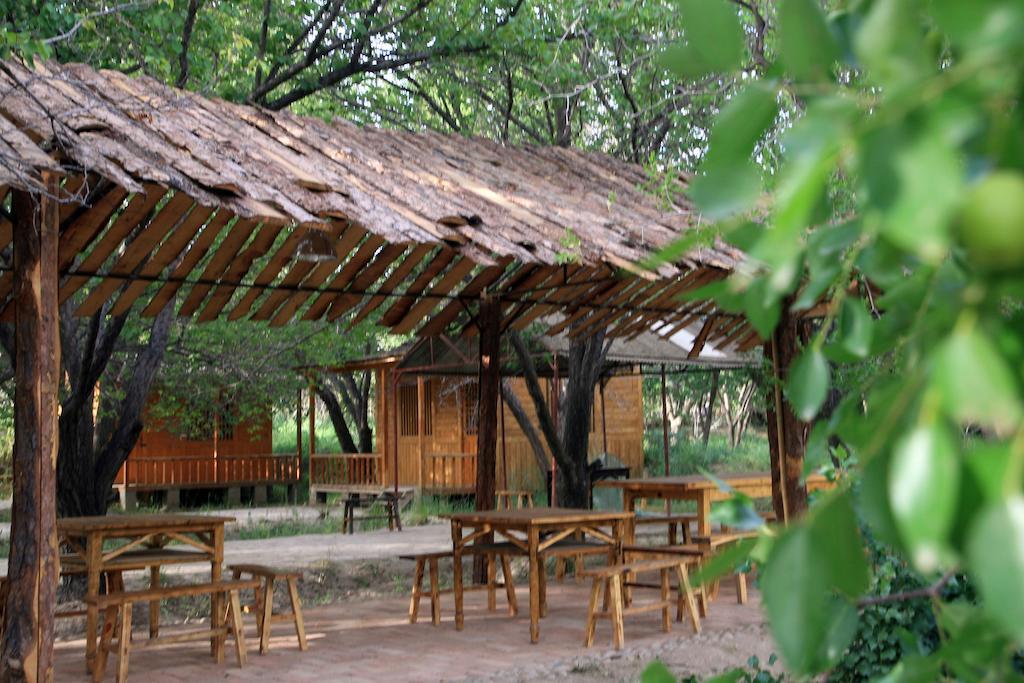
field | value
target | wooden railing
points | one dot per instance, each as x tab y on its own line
449	471
204	470
346	469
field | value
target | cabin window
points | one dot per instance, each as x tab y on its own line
428	410
472	403
407	410
408	399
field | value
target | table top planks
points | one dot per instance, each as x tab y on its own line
538	516
137	522
696	482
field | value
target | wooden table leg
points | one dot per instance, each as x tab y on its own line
216	608
629	505
535	597
154	605
93	563
704	513
457	573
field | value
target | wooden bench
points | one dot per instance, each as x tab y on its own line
117	608
264	605
674	522
512	500
492	552
702	548
356	501
614	579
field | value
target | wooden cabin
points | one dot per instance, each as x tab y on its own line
216	453
428	407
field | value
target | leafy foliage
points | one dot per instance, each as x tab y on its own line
892	211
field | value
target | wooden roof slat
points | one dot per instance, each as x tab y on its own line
367	277
200	247
360	258
602	293
84	228
620	306
456	274
485	278
237	269
698	342
238	234
414	258
311	274
284	255
170	250
138	209
403	303
139	248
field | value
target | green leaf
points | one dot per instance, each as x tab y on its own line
975	383
915	177
739	126
835	533
808	383
724	561
856	331
656	672
890	44
996	559
714	40
810	627
737	512
807	48
924	478
719	198
734	676
729	181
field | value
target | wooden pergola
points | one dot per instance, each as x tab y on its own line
143	195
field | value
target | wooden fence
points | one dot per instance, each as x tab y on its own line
197	471
346	469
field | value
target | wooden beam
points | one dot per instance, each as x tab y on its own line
26	652
489	321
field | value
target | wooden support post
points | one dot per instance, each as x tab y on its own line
312	421
298	425
555	387
787	434
604	422
26	652
664	432
421	429
489	323
504	444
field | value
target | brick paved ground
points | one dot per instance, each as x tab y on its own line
373	641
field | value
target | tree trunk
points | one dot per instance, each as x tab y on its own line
91	453
709	412
26	651
789	447
330	401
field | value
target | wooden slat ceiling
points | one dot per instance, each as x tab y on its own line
176	199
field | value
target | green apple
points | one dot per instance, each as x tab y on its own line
992	222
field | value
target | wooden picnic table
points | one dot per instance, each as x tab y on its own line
532	531
700	488
118	543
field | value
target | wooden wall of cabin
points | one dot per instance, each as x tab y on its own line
193	454
450	429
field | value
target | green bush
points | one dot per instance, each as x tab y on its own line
656	672
688	456
887	632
